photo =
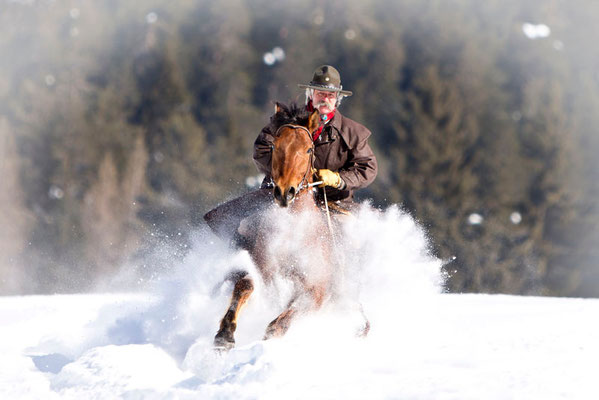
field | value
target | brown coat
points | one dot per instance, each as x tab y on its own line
342	146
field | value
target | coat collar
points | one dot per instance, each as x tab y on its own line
337	124
335	131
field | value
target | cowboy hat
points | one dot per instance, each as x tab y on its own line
326	78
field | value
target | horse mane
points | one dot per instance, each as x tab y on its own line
289	114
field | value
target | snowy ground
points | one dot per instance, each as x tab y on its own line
423	344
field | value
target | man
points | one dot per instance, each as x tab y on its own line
342	156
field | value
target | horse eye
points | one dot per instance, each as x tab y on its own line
309	150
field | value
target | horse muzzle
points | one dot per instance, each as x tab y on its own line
286	197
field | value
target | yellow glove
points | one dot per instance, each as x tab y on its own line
329	178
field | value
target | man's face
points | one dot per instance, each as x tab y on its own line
324	101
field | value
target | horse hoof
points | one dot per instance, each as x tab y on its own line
363	331
223	344
274	331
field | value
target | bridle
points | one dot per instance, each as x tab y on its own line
304	182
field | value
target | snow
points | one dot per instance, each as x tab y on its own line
535	31
277	54
423	344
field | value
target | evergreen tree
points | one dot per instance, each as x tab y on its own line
15	219
131	120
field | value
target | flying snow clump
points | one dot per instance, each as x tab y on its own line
475	219
516	218
277	54
537	31
50	80
55	192
350	34
151	17
74	13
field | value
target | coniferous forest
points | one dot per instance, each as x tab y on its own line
122	123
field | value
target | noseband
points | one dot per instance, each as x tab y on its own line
304	182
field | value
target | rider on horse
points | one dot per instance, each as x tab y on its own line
342	157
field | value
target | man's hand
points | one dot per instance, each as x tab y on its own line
329	178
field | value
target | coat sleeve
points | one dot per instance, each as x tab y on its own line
361	167
263	151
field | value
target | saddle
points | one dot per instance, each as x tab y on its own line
335	207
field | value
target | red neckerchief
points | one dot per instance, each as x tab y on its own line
324	118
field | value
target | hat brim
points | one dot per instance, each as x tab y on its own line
345	93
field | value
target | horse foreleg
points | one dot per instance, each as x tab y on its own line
225	338
313	301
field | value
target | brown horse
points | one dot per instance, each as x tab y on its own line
305	258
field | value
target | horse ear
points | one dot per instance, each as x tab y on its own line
314	121
278	107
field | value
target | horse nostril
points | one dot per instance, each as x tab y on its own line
279	198
277	193
290	193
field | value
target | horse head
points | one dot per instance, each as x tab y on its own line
292	156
